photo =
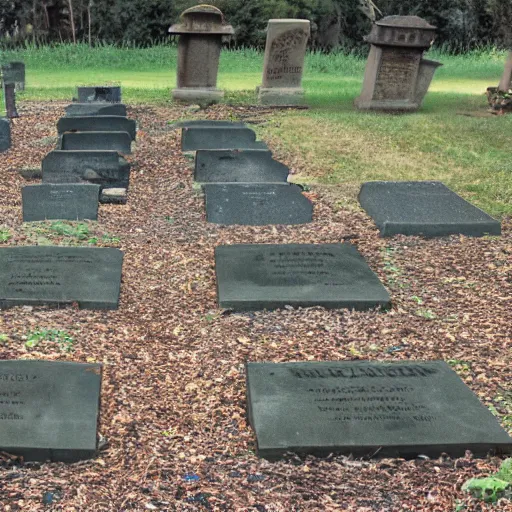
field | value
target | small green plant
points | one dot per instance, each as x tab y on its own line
417	299
169	219
494	487
5	234
426	313
38	336
79	231
4	339
169	433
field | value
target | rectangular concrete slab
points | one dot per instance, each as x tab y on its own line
105	168
107	93
97	124
49	410
426	208
68	201
195	138
95	109
99	141
270	276
54	275
238	166
368	409
257	204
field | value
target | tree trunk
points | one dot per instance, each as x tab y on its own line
89	5
72	20
506	79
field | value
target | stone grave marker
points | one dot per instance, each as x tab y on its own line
68	201
53	275
11	111
195	138
14	73
257	204
205	123
49	410
97	124
200	32
5	134
397	77
270	276
105	168
109	94
368	409
423	208
238	166
96	141
95	109
283	66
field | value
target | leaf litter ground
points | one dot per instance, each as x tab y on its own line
173	429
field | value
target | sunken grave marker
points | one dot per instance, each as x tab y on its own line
95	109
271	276
368	409
108	94
423	208
49	410
97	124
195	138
100	141
205	123
257	204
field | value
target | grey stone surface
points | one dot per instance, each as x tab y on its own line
49	410
113	196
97	124
368	409
96	141
5	134
205	123
95	109
14	73
105	168
107	93
426	208
195	138
238	166
270	276
68	201
283	66
54	275
257	204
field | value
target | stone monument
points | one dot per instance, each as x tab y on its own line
14	73
284	62
397	77
200	39
94	94
5	134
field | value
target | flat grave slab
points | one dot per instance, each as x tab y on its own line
257	204
5	134
368	409
239	166
195	138
95	109
39	275
426	208
105	168
49	410
97	124
205	123
109	94
100	141
270	276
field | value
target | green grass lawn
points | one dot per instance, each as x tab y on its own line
338	145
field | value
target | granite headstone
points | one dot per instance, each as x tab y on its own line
5	134
97	124
195	138
107	93
49	410
270	276
96	141
95	109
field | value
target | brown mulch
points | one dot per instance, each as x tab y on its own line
173	397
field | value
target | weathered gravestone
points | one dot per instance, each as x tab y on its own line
105	168
426	208
89	276
70	201
14	73
367	409
205	123
95	109
96	141
284	62
396	76
97	124
200	38
195	138
5	134
109	94
257	204
269	276
11	111
49	410
238	166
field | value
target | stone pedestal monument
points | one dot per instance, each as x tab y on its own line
284	62
397	77
200	38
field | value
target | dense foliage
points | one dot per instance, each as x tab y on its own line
462	24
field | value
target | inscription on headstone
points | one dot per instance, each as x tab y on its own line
97	141
270	276
368	409
49	410
97	124
54	275
195	138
